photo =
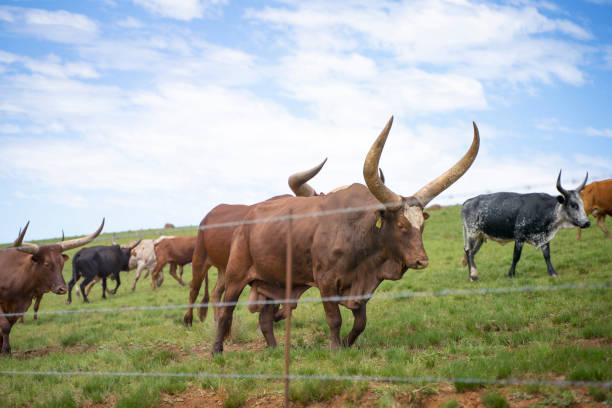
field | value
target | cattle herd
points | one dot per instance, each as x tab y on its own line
345	243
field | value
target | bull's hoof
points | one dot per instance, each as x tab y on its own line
554	275
217	349
473	278
202	314
188	320
111	292
68	301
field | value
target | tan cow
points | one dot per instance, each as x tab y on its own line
597	199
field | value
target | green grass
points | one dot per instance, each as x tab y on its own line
536	335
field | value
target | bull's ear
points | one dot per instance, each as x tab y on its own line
425	215
66	257
560	199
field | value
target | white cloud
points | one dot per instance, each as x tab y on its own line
484	41
553	125
180	9
59	26
130	22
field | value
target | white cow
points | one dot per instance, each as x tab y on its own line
143	257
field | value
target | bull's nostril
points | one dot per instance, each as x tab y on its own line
586	224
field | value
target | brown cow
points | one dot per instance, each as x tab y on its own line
175	251
597	199
28	271
346	253
213	244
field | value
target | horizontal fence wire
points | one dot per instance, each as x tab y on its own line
160	232
401	295
354	378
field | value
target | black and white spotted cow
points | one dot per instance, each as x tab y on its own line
534	218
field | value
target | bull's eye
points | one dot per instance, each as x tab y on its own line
574	206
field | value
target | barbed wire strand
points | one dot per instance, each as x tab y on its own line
402	295
467	380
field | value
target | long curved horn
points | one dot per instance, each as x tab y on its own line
370	171
559	188
28	248
73	243
135	245
297	181
444	181
19	239
580	187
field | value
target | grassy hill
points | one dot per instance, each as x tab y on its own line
540	335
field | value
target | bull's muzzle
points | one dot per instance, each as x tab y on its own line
586	224
60	290
419	263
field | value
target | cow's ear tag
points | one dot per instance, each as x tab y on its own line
379	222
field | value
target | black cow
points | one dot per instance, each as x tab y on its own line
99	261
534	218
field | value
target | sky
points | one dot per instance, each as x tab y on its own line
155	111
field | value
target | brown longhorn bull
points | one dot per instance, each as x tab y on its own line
28	271
597	199
213	244
345	253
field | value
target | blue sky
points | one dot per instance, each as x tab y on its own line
154	111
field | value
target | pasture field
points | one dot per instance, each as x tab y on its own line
540	335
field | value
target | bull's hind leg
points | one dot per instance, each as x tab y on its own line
546	253
200	273
175	276
473	246
359	325
84	292
516	256
225	317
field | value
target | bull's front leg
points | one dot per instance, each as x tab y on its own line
601	221
546	253
359	325
36	306
334	320
138	272
266	323
5	326
518	248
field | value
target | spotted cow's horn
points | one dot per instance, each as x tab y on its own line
444	181
370	171
559	188
298	181
581	186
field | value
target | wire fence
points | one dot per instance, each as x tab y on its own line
366	297
352	378
400	295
